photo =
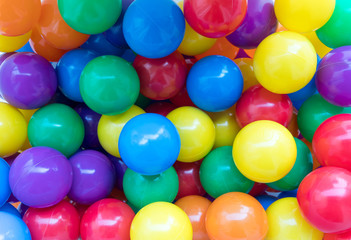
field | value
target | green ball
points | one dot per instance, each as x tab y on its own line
57	126
90	16
141	190
109	85
303	166
219	175
336	32
313	112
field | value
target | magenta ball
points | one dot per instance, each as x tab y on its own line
40	177
27	80
93	177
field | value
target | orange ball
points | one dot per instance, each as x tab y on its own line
55	30
236	216
221	47
196	207
18	17
250	52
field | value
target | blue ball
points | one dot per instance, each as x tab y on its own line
285	194
215	83
69	69
7	207
149	144
153	29
98	43
266	200
5	190
13	228
25	48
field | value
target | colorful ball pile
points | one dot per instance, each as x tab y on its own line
175	119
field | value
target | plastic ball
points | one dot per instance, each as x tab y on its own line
331	142
93	177
107	219
110	127
285	220
247	70
11	44
109	85
196	207
303	16
313	112
153	29
259	23
258	189
286	194
57	126
162	78
99	44
149	144
266	200
215	19
8	208
13	130
142	190
69	69
26	48
303	166
161	220
293	68
336	236
214	83
321	49
13	228
335	32
257	103
332	79
27	80
196	130
219	175
35	187
5	190
189	179
251	225
221	47
264	151
182	98
324	197
161	107
90	17
60	222
120	169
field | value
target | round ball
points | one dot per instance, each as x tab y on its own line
109	85
33	186
264	151
161	220
251	225
11	44
57	126
214	83
27	80
281	68
5	190
153	29
149	144
12	227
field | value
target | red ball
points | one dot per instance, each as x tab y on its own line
335	236
162	108
107	219
324	197
258	189
215	18
332	140
59	222
182	99
189	179
257	103
161	78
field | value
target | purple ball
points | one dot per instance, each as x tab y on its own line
40	177
333	78
120	169
260	22
27	80
93	177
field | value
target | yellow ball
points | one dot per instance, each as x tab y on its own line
27	113
285	62
161	221
320	48
11	44
110	127
303	15
226	127
13	130
196	131
264	151
247	70
286	222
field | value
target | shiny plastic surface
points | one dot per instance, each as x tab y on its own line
221	47
99	44
264	151
236	216
340	236
40	177
13	228
266	200
182	98
11	44
9	208
321	49
246	68
5	190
